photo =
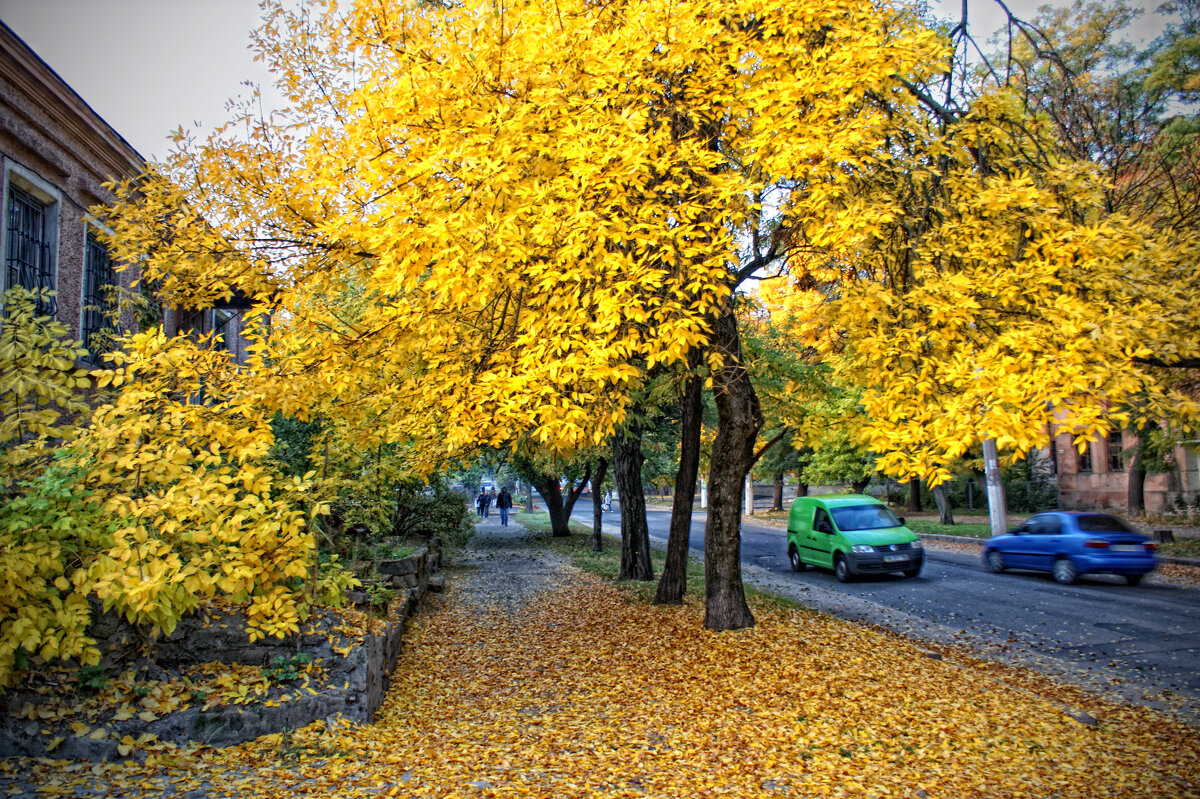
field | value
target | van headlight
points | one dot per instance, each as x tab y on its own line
863	548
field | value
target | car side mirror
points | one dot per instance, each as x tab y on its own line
824	527
901	520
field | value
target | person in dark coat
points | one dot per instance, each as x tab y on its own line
481	503
503	503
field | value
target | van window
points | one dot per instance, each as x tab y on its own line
821	516
864	517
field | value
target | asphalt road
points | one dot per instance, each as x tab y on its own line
1139	642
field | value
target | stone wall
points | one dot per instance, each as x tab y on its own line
354	687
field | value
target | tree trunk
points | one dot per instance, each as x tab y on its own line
1137	477
598	504
945	516
635	535
859	486
738	422
547	486
673	584
777	502
980	478
914	495
801	488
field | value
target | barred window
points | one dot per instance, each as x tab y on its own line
1084	459
27	260
221	320
99	281
1115	445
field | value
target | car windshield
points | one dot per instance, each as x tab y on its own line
1100	523
863	517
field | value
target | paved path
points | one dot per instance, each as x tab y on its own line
506	567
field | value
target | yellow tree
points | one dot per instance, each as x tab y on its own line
991	294
542	201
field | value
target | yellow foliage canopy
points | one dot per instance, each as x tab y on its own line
531	203
1011	306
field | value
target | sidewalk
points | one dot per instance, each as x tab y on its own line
532	678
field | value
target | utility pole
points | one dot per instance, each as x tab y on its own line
997	513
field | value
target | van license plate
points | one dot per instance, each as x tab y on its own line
894	558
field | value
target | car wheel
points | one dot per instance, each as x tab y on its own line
794	556
1064	571
994	561
912	572
1134	579
841	569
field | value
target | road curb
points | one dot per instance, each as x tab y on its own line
966	539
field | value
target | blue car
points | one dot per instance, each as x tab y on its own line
1070	544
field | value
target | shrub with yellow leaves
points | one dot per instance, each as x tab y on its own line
167	498
47	523
39	384
180	454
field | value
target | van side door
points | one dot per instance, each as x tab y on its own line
821	541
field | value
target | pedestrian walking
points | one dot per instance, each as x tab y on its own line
503	503
491	500
481	503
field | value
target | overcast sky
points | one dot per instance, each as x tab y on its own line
150	66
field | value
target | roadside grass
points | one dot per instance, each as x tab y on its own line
606	564
1181	548
932	526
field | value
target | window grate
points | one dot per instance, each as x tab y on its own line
1084	459
98	301
27	261
1115	445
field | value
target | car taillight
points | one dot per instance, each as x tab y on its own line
1096	543
1150	545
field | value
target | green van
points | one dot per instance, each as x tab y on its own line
851	534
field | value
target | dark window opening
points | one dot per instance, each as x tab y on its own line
99	300
1084	459
27	261
1115	445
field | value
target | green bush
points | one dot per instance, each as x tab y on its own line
424	511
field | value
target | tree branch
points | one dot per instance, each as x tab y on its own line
1178	363
763	449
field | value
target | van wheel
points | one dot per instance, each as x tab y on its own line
841	569
1064	571
794	556
912	572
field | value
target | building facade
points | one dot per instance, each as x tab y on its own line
55	155
1097	478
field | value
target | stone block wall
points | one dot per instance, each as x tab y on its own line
354	688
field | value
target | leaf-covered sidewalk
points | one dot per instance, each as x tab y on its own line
530	678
